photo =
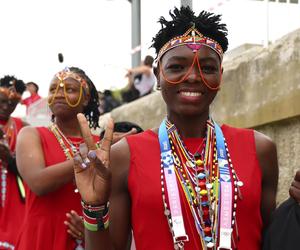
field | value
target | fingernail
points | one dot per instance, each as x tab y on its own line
83	149
83	165
92	155
77	158
87	161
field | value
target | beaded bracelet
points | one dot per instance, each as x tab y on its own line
95	218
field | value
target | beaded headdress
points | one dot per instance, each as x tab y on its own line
67	73
63	75
194	39
10	92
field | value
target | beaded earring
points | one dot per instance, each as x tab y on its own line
158	87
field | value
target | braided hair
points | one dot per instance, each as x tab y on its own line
184	18
11	81
91	111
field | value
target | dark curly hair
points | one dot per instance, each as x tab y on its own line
184	18
91	111
11	81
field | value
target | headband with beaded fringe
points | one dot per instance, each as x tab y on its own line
66	73
191	37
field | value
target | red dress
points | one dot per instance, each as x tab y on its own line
11	215
150	227
30	100
44	227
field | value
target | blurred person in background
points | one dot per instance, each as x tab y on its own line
12	195
33	89
141	80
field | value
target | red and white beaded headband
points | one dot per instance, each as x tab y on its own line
67	73
10	92
191	37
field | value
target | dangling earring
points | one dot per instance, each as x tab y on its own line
158	87
53	118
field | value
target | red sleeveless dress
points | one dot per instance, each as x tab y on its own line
43	227
12	214
150	227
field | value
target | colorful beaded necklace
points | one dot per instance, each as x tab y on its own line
70	148
199	177
9	138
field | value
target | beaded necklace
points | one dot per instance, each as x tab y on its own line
199	179
70	148
9	138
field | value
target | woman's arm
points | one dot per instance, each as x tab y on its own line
267	156
105	180
118	235
31	164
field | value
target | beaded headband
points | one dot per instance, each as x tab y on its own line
67	73
10	93
191	38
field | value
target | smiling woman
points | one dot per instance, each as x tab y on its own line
185	185
45	158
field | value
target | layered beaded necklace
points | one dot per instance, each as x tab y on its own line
69	147
9	138
200	177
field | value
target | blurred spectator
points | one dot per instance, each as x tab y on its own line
33	89
123	127
107	101
141	80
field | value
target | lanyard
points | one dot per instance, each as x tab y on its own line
179	233
225	215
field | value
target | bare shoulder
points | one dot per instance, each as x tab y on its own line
120	150
120	162
27	131
267	156
264	144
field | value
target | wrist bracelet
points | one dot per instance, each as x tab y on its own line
95	218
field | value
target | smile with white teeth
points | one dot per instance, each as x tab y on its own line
187	93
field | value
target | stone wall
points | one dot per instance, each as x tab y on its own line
260	90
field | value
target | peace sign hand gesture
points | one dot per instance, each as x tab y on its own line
92	173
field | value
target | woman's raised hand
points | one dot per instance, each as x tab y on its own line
91	166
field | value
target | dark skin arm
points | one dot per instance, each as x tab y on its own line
31	164
295	187
119	206
106	178
74	222
267	156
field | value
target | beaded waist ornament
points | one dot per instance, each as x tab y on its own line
209	182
